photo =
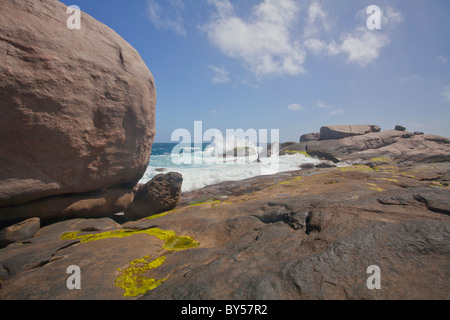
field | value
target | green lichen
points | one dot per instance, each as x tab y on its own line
361	168
133	279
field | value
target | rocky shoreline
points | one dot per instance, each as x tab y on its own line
76	225
306	234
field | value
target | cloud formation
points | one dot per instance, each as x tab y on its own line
296	107
446	94
361	45
220	75
269	43
167	19
265	43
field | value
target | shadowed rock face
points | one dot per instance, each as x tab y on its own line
160	194
308	234
77	105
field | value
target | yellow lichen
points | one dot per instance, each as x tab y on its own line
386	168
407	174
362	168
374	187
160	215
133	279
172	241
387	179
212	203
381	159
289	181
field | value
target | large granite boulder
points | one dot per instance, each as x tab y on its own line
78	106
344	131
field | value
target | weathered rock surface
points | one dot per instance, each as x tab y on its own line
160	194
20	231
87	205
310	137
344	131
307	234
397	145
77	105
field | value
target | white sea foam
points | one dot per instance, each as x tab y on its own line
197	176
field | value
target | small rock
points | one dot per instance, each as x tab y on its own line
375	128
417	133
160	194
400	128
20	231
327	164
307	165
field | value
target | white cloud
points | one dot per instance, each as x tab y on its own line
167	20
221	75
296	107
317	21
446	94
319	47
442	59
363	46
265	42
338	111
410	78
323	105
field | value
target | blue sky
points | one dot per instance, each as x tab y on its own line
292	65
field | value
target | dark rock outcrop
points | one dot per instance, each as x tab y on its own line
78	106
160	194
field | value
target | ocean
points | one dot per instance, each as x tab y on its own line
203	166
